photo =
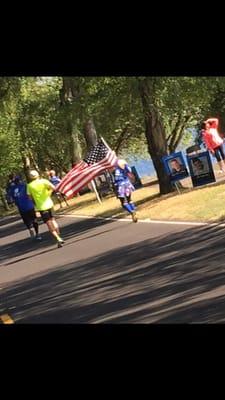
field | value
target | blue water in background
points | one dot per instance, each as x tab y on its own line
145	167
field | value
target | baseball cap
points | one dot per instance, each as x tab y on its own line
34	174
121	163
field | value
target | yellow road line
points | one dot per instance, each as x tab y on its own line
6	319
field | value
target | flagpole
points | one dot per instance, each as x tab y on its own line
96	192
106	144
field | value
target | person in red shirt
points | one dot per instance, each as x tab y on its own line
213	141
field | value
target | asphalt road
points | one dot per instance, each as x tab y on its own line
113	272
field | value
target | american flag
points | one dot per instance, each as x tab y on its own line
99	158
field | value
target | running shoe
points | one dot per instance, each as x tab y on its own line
134	218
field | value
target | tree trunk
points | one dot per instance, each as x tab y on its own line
155	135
26	166
70	91
3	199
76	148
90	133
121	138
91	138
33	161
177	133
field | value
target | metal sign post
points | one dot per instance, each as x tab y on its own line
177	187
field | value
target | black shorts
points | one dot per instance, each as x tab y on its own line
46	215
28	217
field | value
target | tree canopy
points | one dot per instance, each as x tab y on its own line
44	120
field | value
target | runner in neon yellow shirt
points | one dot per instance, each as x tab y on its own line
40	191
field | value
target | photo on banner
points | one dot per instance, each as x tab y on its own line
201	168
175	166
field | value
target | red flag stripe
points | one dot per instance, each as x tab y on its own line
77	181
77	177
78	167
83	181
72	177
94	167
77	186
87	176
66	177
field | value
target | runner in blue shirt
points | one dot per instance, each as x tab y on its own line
25	207
55	180
124	187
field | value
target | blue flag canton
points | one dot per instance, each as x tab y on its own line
97	153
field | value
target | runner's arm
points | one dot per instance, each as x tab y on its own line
50	186
29	194
214	120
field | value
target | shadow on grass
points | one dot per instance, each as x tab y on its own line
168	279
153	182
117	212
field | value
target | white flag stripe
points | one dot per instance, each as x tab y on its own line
79	180
80	175
76	187
67	180
67	177
85	179
95	168
94	155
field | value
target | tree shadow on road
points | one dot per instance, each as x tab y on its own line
8	219
168	279
27	246
14	226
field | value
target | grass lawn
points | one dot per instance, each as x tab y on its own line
203	204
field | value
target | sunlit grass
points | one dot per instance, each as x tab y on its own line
204	204
200	204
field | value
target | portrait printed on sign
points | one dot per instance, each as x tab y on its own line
201	169
200	165
175	166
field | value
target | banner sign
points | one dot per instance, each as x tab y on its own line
201	168
175	166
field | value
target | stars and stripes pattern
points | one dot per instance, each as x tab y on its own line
99	158
96	153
